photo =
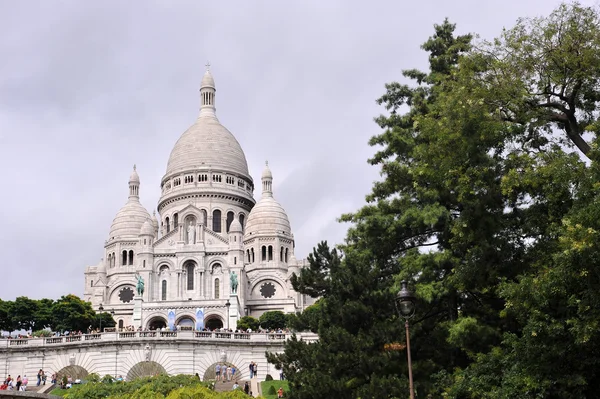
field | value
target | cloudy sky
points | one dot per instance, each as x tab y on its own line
87	89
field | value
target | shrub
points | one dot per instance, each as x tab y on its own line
42	333
272	390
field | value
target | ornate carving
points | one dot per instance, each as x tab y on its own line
72	359
223	356
171	242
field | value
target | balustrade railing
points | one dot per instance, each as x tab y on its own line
143	335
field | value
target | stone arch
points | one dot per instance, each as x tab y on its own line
73	371
145	369
210	374
184	318
156	322
214	321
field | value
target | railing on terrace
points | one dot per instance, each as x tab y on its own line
154	335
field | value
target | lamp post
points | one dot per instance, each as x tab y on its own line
100	310
228	305
405	305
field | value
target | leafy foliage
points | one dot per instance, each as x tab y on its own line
489	214
248	322
69	313
273	320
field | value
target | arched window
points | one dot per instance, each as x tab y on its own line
204	217
164	290
168	224
120	325
252	252
91	283
175	220
264	253
124	258
270	252
242	220
217	288
131	257
144	263
114	259
286	255
189	269
230	217
216	221
281	255
248	256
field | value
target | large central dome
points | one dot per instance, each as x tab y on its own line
207	144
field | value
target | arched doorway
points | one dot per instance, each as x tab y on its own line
145	369
213	323
156	323
186	322
75	372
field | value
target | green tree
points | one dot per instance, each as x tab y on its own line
43	314
544	73
307	320
471	210
70	313
5	316
23	313
272	320
248	322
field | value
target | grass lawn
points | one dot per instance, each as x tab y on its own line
265	386
58	392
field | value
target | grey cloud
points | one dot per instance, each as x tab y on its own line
87	89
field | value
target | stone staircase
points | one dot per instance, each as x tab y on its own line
221	386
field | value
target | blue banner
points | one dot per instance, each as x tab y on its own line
171	319
199	318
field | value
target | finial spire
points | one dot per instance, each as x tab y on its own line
267	181
134	168
207	66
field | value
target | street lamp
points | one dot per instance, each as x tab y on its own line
100	310
405	305
228	305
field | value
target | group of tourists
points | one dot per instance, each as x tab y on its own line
20	383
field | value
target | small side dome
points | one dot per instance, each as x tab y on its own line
147	228
129	220
235	227
268	216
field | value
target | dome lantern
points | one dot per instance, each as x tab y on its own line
134	184
207	94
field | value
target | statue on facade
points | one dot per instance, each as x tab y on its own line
191	233
147	352
233	279
140	284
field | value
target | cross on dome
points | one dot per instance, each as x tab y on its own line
207	66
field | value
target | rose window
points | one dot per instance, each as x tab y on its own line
267	290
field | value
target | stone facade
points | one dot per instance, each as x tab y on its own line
213	254
136	354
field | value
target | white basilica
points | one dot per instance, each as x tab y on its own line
213	255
